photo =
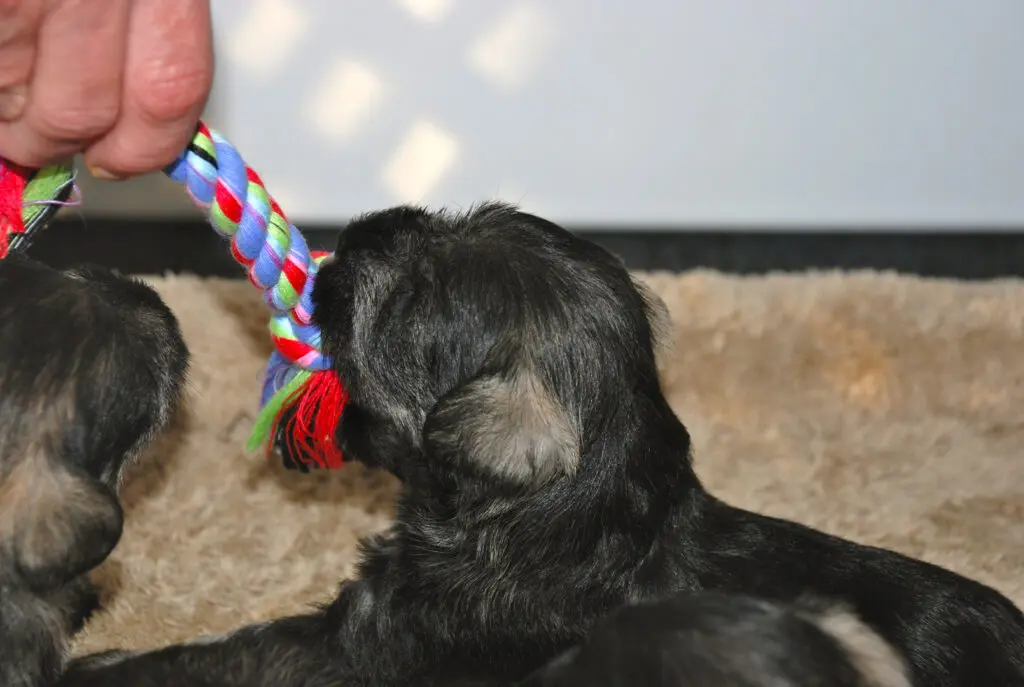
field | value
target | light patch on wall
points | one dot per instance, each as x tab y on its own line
343	100
420	162
510	51
263	38
427	11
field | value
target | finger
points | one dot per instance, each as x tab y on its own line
168	76
75	93
19	24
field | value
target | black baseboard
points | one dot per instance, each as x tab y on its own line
154	247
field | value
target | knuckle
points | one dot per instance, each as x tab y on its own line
15	65
17	19
174	89
11	78
76	123
10	10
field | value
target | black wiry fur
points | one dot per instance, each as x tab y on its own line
505	371
91	366
716	640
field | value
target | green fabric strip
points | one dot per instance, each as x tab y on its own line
54	183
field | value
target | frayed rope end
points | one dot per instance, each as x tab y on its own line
12	189
318	400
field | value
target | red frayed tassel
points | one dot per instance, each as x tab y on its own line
310	431
12	193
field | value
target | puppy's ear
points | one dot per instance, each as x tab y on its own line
658	319
57	525
505	424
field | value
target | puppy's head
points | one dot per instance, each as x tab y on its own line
493	341
91	367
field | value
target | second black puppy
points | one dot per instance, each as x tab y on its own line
724	640
505	370
91	366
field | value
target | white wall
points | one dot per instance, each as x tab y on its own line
607	111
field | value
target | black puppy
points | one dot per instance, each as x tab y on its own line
91	366
505	370
719	640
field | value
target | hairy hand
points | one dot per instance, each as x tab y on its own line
121	81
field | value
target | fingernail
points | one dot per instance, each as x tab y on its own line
12	102
104	174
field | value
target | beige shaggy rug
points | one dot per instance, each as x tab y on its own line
882	408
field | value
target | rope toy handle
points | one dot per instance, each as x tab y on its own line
299	382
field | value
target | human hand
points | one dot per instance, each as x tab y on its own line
122	81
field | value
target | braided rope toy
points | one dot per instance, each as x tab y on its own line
278	261
302	398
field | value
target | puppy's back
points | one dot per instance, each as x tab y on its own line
717	640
